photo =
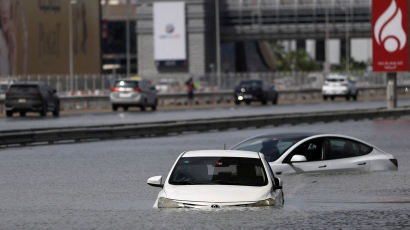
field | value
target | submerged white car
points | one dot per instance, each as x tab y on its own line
219	178
309	152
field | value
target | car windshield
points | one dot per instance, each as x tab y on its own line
3	88
271	147
126	84
219	171
23	89
250	84
335	79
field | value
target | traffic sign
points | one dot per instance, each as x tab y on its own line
390	27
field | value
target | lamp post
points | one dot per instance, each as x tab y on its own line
218	44
70	52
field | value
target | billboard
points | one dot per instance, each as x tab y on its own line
390	26
169	33
34	36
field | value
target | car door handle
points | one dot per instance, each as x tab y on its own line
278	173
363	163
322	166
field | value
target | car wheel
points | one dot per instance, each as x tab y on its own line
43	111
56	111
324	97
22	113
332	98
9	113
142	107
154	106
264	102
248	102
114	107
125	108
237	102
347	97
275	101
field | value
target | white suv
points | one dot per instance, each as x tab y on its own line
339	86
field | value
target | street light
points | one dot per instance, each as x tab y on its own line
70	52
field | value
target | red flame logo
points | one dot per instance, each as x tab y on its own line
388	30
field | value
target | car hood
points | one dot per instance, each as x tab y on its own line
217	193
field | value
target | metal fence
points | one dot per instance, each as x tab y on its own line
101	84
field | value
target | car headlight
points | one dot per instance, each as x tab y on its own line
168	203
267	202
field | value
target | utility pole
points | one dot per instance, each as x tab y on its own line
127	37
327	65
218	45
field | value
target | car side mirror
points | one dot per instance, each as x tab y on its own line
278	183
155	181
298	158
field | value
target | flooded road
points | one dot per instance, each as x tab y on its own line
102	185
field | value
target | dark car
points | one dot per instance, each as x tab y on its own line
31	97
255	90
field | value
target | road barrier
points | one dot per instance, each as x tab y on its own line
226	96
121	131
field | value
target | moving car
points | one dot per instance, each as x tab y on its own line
218	178
339	86
311	152
255	90
23	97
128	92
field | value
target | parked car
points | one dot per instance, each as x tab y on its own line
339	86
127	93
218	178
23	97
255	90
311	152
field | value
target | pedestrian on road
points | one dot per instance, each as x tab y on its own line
190	90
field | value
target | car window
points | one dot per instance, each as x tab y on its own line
219	170
272	148
250	84
338	148
126	84
311	149
23	89
3	88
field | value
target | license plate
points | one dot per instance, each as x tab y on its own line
125	94
22	100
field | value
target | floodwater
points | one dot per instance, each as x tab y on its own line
102	185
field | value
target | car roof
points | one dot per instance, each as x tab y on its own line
221	153
300	135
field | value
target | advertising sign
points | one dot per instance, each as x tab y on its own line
169	33
390	26
34	37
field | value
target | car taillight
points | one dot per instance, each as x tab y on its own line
115	89
137	90
394	161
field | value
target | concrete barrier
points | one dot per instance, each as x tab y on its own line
80	102
118	131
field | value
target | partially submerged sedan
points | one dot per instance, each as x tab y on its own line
310	152
219	178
